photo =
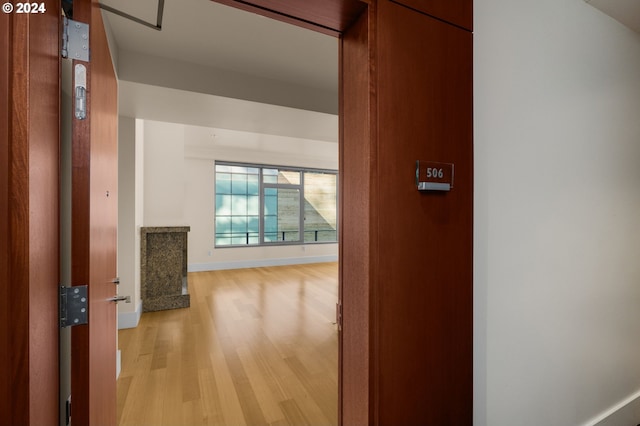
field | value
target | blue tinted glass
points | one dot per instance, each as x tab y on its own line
223	205
223	183
270	224
253	224
239	205
253	205
270	175
239	225
271	205
271	191
236	241
239	184
223	241
238	169
253	185
223	225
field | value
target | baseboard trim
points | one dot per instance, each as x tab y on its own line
625	412
118	363
130	319
242	264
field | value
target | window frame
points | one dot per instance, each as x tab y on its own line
261	194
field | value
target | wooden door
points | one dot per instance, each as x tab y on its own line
94	230
424	240
29	129
406	288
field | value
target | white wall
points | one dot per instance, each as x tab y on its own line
164	179
155	71
179	187
130	211
557	213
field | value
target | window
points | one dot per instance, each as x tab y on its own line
268	205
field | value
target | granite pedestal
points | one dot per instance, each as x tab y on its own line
163	269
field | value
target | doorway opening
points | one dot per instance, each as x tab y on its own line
164	337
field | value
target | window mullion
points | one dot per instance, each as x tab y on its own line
287	191
261	218
301	212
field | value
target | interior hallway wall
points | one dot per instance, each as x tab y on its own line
557	223
130	217
203	147
179	187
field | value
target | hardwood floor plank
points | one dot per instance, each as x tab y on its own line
124	383
210	397
173	399
265	395
294	414
256	347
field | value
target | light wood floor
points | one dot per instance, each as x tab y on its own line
256	347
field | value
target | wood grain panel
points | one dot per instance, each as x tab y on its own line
325	16
44	264
29	191
424	239
357	222
94	230
5	342
457	12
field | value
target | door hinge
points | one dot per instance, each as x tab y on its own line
339	315
74	306
68	411
75	40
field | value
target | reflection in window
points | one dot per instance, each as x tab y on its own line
271	205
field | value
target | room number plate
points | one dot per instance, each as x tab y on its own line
434	176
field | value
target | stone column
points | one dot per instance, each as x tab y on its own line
163	269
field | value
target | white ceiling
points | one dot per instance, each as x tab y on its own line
625	11
202	41
216	66
210	34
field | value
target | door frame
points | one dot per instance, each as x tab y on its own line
29	246
29	141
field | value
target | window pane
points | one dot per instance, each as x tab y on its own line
320	207
223	241
270	175
253	224
233	183
287	219
239	205
253	205
289	177
239	184
239	240
239	225
271	228
223	205
223	225
271	204
239	217
238	169
223	183
253	185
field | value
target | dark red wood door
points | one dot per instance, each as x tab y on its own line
29	139
425	239
94	230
